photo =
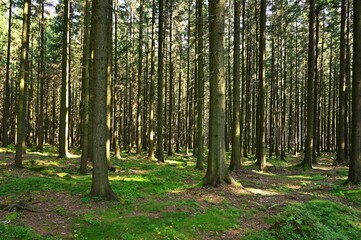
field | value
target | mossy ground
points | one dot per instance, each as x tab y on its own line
166	201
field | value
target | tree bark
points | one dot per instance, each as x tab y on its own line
21	124
261	121
6	106
64	104
307	161
200	86
85	111
236	128
160	120
354	175
217	172
100	182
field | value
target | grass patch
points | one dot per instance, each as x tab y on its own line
317	219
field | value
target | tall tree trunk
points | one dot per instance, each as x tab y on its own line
261	120
6	104
171	84
354	175
86	78
42	81
64	104
307	161
21	109
140	83
200	86
151	92
217	172
100	182
236	128
160	120
340	158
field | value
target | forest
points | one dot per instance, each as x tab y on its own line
180	119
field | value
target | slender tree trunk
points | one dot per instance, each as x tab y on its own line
354	175
21	108
140	89
160	120
6	104
216	170
340	158
85	111
42	82
200	86
64	104
151	91
236	128
171	84
307	161
261	120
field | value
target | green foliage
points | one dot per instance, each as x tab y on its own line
317	219
17	232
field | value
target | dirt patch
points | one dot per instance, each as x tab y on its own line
53	212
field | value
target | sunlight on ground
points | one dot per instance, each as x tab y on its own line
129	179
44	154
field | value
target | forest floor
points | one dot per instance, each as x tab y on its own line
47	199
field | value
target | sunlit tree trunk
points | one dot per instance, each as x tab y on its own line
20	136
64	104
6	104
261	120
151	91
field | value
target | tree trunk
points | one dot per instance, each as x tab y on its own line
160	120
340	158
217	172
6	106
151	91
200	86
307	161
261	120
85	111
21	128
236	128
64	104
100	183
354	175
140	89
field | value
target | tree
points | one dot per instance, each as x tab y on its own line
160	120
140	88
236	128
354	175
42	80
20	140
200	86
307	161
261	121
86	78
64	104
340	158
6	106
151	92
217	172
100	182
